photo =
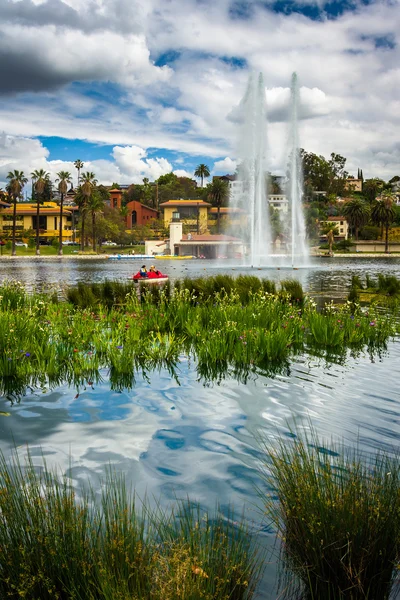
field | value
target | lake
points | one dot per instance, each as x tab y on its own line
193	438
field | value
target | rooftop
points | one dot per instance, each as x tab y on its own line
182	202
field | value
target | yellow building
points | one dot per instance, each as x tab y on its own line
49	220
191	212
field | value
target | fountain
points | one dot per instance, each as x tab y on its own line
299	248
249	191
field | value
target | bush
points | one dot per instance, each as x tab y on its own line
339	516
369	232
54	546
388	284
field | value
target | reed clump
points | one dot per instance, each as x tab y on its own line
54	545
44	343
337	513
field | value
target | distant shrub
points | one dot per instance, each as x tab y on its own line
369	232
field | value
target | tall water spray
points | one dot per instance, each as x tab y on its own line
299	247
250	190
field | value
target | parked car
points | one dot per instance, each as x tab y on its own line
70	243
110	243
23	244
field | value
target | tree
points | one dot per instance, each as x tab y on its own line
330	230
338	175
40	177
64	178
372	189
383	214
218	193
88	183
16	182
202	171
95	206
357	213
78	164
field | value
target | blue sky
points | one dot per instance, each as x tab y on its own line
137	88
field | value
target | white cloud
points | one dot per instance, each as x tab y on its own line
349	79
183	173
227	165
129	165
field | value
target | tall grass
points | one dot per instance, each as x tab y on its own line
44	343
337	513
56	546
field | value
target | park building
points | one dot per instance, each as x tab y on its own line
341	224
49	220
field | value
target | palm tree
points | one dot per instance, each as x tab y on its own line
16	182
40	178
88	183
64	178
78	164
202	171
330	230
218	193
383	213
357	212
95	206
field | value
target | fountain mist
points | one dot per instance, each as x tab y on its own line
299	247
249	192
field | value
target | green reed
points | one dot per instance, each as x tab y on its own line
45	342
337	514
55	545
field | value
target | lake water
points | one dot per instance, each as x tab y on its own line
192	438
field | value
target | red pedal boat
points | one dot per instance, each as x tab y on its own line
152	277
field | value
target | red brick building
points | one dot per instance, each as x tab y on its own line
115	198
139	214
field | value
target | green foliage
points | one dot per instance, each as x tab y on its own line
388	284
356	282
294	290
53	545
225	324
324	175
337	512
370	232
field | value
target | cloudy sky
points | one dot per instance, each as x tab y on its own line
137	88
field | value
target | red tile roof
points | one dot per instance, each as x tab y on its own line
178	203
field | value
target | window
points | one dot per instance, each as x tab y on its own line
188	212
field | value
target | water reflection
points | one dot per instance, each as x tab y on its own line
176	439
326	276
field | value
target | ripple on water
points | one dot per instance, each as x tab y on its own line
200	441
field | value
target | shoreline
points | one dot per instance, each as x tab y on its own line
106	256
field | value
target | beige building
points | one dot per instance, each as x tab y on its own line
341	224
353	184
49	220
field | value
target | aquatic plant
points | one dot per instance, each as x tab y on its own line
44	343
388	284
57	544
336	511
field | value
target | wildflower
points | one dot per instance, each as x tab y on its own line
27	354
119	347
372	323
76	350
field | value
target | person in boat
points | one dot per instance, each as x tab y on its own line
143	271
155	271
